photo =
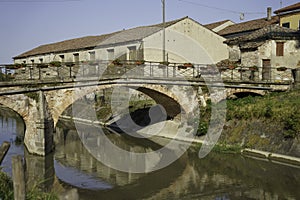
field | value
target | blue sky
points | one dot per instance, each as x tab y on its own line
26	24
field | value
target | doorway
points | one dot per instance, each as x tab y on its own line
266	70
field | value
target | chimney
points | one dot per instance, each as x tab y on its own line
269	13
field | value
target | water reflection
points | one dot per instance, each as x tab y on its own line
217	176
12	129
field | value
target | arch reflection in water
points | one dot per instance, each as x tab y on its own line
217	176
71	153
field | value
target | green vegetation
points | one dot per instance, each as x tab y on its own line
55	64
270	122
281	108
4	77
6	187
140	104
7	191
33	95
223	148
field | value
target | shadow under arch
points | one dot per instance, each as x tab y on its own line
161	95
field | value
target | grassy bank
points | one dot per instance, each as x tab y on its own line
269	123
7	190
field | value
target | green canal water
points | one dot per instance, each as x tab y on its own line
217	176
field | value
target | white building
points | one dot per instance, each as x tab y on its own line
186	41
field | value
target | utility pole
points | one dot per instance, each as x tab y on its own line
164	30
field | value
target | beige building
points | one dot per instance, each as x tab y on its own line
186	41
273	49
290	16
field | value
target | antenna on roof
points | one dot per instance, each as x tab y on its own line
242	16
280	3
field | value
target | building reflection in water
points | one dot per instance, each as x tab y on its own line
217	176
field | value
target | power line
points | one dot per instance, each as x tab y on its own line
221	9
35	1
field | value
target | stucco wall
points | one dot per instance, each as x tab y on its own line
290	58
101	53
293	19
187	41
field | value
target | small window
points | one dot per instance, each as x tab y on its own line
76	58
132	53
62	58
279	48
41	60
299	25
286	25
110	54
92	56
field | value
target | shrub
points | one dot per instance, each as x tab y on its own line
6	187
202	128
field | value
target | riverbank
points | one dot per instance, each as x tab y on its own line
168	129
267	124
270	123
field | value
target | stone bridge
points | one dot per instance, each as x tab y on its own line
41	107
40	104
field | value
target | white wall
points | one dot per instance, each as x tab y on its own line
187	41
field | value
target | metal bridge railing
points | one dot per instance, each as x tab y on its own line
139	69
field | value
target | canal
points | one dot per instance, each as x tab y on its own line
217	176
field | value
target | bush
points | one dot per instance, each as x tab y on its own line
6	187
202	128
292	126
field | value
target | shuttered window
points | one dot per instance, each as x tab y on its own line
279	48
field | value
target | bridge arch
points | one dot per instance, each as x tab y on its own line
241	92
59	100
26	108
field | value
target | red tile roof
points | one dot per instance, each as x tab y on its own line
259	37
90	42
248	26
288	8
215	24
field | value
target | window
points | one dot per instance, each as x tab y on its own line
41	60
76	58
299	25
279	48
286	25
110	54
132	53
92	56
62	58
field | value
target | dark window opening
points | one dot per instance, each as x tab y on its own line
286	25
62	57
279	48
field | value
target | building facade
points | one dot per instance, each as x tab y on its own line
290	16
186	41
272	49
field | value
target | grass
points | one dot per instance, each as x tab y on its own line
7	190
6	187
280	108
267	123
